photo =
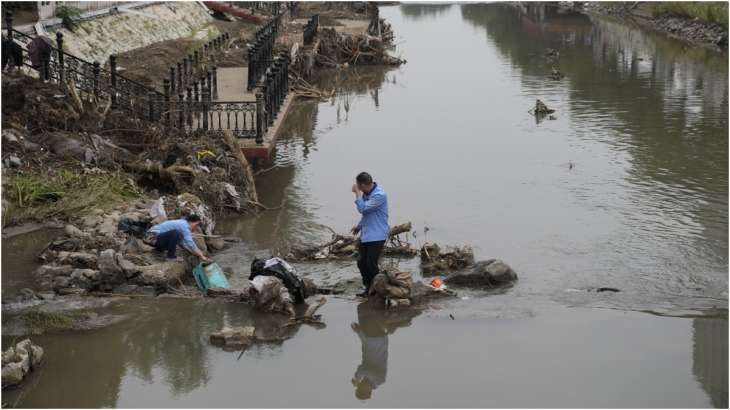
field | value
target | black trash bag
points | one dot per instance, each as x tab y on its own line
281	269
134	228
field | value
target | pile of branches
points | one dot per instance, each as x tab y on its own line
337	48
434	261
212	168
347	246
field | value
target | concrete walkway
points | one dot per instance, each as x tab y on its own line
232	84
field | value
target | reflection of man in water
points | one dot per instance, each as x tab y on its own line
375	323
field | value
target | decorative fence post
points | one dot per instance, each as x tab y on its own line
151	103
197	61
251	64
9	23
275	88
269	99
206	102
215	82
172	78
190	106
59	45
96	69
113	69
181	109
190	64
184	73
259	118
179	85
209	83
167	102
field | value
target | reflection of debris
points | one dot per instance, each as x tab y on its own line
552	54
555	74
234	338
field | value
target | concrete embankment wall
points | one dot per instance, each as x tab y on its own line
96	39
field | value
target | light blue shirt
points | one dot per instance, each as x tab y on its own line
374	209
180	225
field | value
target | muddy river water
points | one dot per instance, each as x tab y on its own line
627	187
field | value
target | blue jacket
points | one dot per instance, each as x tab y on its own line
180	225
374	209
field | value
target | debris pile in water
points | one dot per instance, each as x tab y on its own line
337	48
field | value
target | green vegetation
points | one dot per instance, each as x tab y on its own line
711	11
39	322
64	194
68	16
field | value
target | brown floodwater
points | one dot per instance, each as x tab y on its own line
627	188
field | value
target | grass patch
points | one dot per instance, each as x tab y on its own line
64	194
710	11
39	322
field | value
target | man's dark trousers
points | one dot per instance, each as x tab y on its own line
367	262
168	242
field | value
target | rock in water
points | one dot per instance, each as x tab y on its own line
18	360
490	273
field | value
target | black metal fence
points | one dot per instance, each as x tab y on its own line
197	64
187	99
261	53
310	30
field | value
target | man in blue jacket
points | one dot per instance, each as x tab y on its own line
169	234
372	203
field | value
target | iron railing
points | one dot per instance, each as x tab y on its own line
198	63
186	105
261	53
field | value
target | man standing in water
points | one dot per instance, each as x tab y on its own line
372	203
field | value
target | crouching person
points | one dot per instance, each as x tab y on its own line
276	287
165	237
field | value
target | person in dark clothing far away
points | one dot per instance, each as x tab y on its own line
167	235
372	203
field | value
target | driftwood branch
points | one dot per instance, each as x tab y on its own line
247	171
341	246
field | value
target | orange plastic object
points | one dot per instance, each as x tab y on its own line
436	283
